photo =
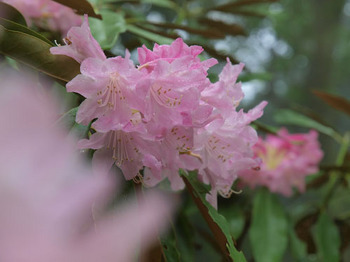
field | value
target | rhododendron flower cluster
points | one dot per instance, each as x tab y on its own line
163	115
51	203
286	160
46	14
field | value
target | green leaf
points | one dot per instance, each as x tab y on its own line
236	4
327	239
161	3
35	53
67	120
339	204
209	33
285	117
235	218
169	245
81	7
264	127
217	223
10	13
263	76
149	35
10	25
268	233
297	246
107	30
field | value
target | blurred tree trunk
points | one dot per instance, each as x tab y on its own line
325	33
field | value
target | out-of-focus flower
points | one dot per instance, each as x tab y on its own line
286	160
51	203
165	115
46	14
79	44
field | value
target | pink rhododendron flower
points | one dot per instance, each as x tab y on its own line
80	44
165	115
46	14
169	53
286	160
226	93
225	147
51	202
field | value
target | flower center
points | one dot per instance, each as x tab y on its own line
165	96
218	148
273	157
112	95
122	146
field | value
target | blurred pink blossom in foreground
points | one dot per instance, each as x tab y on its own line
286	160
46	14
51	204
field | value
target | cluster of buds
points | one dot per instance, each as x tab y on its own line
162	115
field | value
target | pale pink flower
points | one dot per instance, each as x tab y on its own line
109	88
164	115
169	53
80	44
171	93
46	14
172	153
225	147
286	160
125	149
51	203
225	95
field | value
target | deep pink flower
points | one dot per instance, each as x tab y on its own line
286	160
80	44
47	14
51	202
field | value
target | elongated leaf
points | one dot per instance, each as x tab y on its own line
327	239
265	128
339	204
169	245
217	54
230	29
106	31
244	13
148	35
208	33
297	246
237	4
35	53
81	7
10	13
334	101
285	117
68	119
216	222
235	217
10	25
161	3
172	35
268	233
